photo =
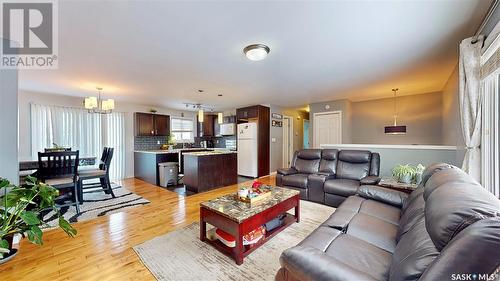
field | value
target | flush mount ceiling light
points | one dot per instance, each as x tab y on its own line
256	52
395	129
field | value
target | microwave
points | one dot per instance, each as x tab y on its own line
227	129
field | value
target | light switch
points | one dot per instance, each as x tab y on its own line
158	142
273	139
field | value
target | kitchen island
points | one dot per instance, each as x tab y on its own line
208	170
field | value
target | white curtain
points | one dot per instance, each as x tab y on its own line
114	131
470	104
76	128
67	127
490	137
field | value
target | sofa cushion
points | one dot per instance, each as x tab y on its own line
296	180
340	218
353	164
382	194
344	187
373	230
414	253
321	238
413	213
382	211
307	161
328	164
455	205
361	255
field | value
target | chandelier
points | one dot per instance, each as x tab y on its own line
97	105
395	129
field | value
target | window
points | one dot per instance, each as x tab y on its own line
182	129
76	128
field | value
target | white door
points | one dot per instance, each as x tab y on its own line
327	128
287	140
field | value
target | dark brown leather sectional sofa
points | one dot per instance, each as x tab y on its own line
447	229
329	176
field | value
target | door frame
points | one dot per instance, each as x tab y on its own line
290	141
308	132
315	128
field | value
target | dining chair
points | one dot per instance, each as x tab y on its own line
101	174
60	170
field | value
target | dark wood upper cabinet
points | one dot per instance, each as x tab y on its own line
147	124
206	128
162	125
246	113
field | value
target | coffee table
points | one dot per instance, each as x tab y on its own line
239	218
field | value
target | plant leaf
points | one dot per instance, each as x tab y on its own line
35	235
64	224
30	218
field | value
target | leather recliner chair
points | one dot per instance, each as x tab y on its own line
329	176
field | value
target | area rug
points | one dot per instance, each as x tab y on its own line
180	255
96	203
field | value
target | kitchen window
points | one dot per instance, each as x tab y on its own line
182	129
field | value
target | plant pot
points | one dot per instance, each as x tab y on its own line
418	178
406	178
13	252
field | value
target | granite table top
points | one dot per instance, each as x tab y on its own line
238	211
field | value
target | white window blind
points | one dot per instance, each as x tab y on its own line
182	129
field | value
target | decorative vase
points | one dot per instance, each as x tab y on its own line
405	178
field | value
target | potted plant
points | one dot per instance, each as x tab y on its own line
403	173
419	170
171	141
20	208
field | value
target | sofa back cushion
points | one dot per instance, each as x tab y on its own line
414	253
307	161
329	159
475	250
453	201
353	164
413	212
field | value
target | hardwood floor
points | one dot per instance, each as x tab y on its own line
102	250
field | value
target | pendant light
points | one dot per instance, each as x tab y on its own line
97	105
200	115
395	129
220	116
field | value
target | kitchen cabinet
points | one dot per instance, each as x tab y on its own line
147	124
229	119
246	113
206	128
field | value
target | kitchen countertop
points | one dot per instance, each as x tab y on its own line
178	150
208	153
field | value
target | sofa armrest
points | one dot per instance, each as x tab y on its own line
385	195
287	171
373	180
307	263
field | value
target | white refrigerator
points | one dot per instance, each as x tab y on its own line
247	149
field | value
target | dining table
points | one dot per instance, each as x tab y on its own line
30	165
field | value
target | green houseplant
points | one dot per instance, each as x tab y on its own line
171	142
20	208
403	173
419	170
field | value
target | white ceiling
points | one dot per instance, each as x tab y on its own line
161	52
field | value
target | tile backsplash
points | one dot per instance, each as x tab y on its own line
149	142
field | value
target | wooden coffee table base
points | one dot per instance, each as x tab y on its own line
238	230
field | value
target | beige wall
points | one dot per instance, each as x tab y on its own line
276	134
420	113
452	129
337	105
